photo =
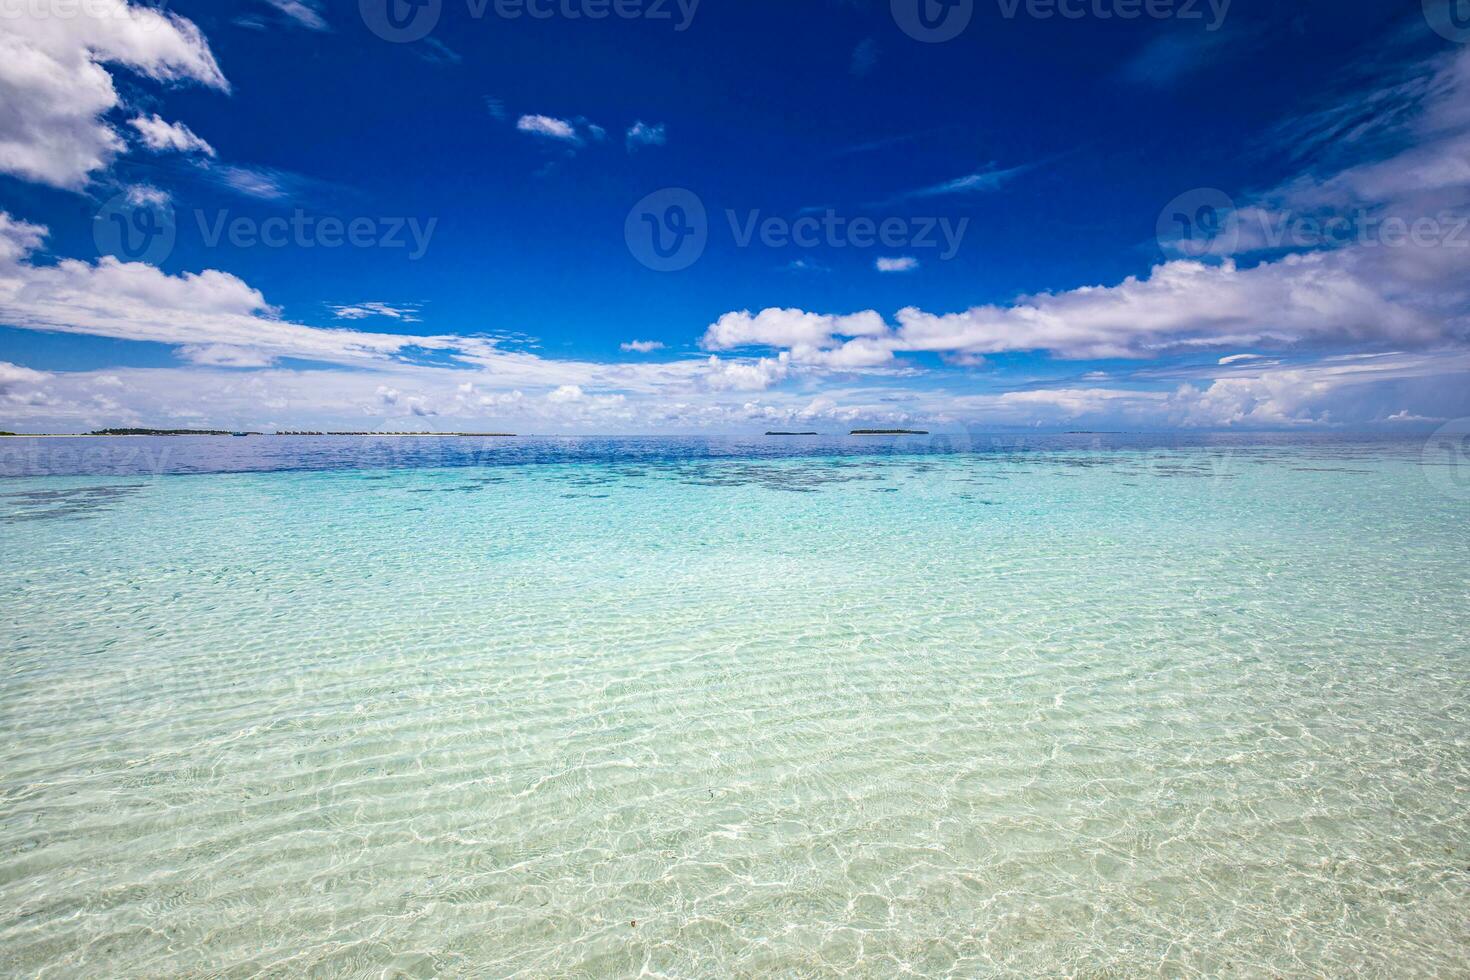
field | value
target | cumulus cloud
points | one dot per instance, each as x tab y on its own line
135	301
641	346
1377	293
642	134
905	263
754	375
1302	299
161	136
56	87
1367	333
550	127
843	342
215	320
775	327
14	374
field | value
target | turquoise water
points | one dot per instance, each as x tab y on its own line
607	709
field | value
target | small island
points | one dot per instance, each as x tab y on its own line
888	432
166	432
232	432
791	433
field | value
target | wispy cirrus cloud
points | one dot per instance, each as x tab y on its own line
263	183
1170	57
864	58
361	311
986	179
161	136
302	13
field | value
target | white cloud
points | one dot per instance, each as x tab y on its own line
215	320
641	346
1342	296
904	263
747	375
550	127
223	355
1314	298
1403	311
1344	391
641	134
258	182
805	265
305	13
988	178
855	354
55	90
147	194
13	374
361	311
135	301
775	327
160	136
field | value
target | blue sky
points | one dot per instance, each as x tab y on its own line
999	214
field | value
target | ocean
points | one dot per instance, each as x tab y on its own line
950	706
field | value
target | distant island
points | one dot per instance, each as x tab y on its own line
791	433
230	432
447	435
888	432
165	432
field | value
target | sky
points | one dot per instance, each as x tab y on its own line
723	216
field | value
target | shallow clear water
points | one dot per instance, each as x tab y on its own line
592	708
